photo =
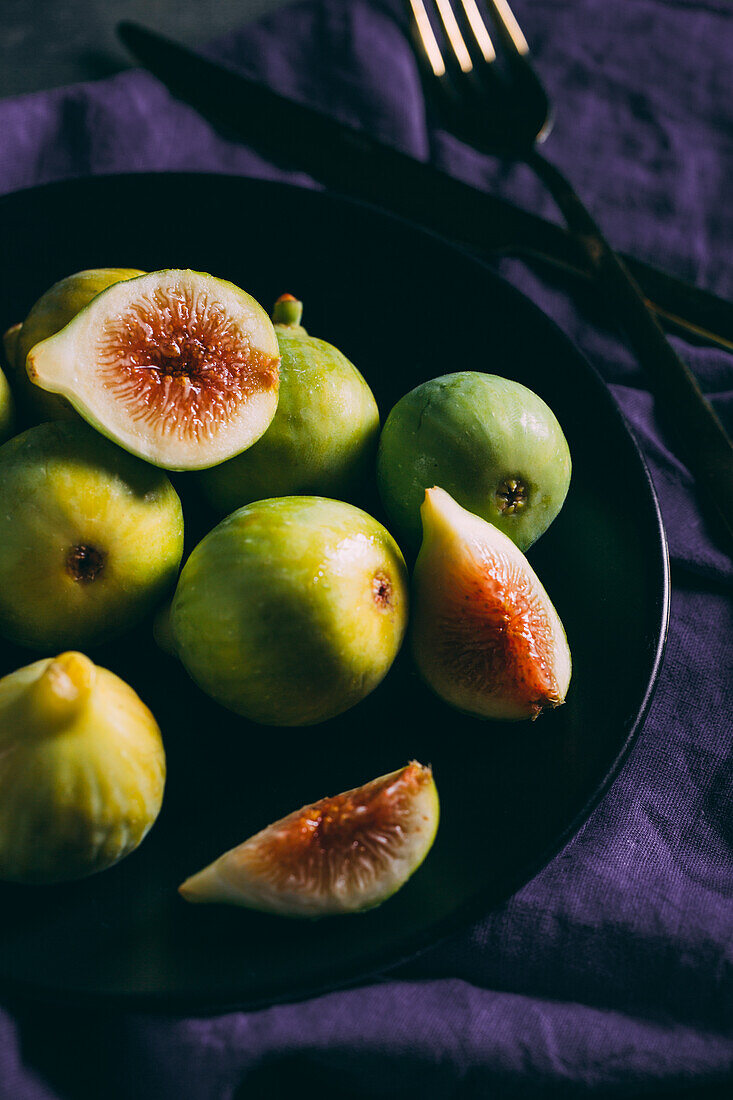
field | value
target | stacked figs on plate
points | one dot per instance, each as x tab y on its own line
292	609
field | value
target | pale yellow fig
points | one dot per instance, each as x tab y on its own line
82	770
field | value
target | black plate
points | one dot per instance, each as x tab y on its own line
405	307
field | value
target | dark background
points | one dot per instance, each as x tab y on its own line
44	43
48	43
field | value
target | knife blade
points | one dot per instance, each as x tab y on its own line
358	165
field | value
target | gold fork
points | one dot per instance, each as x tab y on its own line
489	95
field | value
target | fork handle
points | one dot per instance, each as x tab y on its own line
700	437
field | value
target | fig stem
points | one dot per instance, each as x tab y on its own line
62	689
287	311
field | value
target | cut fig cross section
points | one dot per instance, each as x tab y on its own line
177	367
342	854
485	634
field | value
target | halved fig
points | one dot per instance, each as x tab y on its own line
340	855
177	367
485	635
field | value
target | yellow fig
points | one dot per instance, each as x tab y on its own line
82	770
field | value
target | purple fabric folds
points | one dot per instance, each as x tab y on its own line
612	971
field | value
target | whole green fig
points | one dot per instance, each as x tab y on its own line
291	610
90	537
491	443
324	432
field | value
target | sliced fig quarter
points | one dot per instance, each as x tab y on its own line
485	634
342	854
177	367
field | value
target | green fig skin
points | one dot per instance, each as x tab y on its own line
291	610
7	409
52	312
491	443
90	538
322	438
82	770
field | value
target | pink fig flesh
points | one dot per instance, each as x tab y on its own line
485	636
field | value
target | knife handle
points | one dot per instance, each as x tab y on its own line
355	164
699	436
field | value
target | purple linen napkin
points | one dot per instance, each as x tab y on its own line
610	972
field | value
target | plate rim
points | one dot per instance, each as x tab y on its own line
484	901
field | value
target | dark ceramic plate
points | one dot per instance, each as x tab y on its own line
405	307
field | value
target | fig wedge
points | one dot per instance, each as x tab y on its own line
343	854
177	367
485	635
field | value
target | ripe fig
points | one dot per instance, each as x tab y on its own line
485	635
48	315
493	444
90	537
177	367
343	854
323	435
7	409
82	774
291	610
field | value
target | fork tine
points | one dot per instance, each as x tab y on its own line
506	18
427	37
494	101
455	54
517	52
480	32
463	29
453	31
